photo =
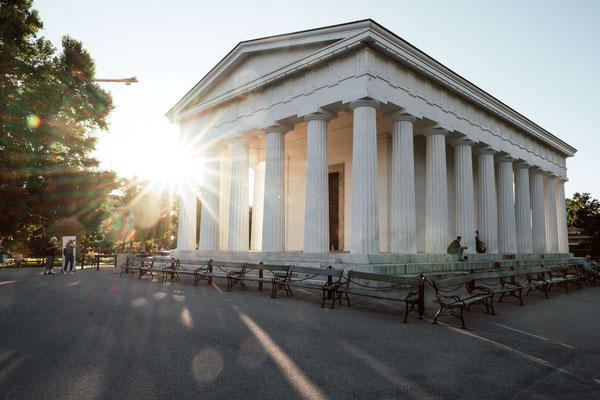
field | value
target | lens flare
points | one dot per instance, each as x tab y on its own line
33	121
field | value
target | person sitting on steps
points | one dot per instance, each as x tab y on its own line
479	245
456	248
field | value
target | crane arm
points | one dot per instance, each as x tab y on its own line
128	81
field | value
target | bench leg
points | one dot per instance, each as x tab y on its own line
324	298
437	314
521	297
546	288
462	319
406	312
229	284
492	305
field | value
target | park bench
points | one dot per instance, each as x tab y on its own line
150	265
499	283
568	272
538	279
222	269
132	264
186	267
322	279
259	273
586	276
458	293
385	287
169	269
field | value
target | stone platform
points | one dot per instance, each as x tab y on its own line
384	263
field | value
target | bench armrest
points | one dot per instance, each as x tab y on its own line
483	289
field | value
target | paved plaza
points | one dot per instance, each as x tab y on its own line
97	335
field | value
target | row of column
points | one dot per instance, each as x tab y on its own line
532	219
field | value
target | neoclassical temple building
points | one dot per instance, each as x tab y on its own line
363	147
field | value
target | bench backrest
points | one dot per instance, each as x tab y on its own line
530	270
492	275
450	282
334	273
160	261
401	280
274	268
190	265
226	265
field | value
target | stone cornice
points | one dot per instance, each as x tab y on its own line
350	37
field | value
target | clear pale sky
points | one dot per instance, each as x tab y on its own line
541	58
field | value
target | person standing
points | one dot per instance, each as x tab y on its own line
69	253
2	253
50	253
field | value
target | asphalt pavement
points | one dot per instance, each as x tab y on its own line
95	335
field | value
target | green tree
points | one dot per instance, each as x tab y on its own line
50	111
143	213
583	212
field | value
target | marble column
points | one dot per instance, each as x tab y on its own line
550	214
403	229
561	216
538	218
186	232
523	209
465	198
487	218
316	211
436	192
224	193
365	213
258	207
209	222
274	204
507	230
238	203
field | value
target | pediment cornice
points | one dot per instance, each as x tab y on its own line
350	37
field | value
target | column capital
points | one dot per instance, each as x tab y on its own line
366	102
536	171
504	158
549	175
484	150
277	128
240	139
562	179
521	165
216	147
399	115
321	115
434	131
461	142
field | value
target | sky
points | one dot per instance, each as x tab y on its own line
540	57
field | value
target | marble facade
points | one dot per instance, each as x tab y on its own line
426	154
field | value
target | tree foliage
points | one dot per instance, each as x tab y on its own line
583	212
50	111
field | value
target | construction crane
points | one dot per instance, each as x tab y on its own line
128	81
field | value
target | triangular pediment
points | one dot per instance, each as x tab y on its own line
253	60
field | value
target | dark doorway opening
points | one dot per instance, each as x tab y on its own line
334	206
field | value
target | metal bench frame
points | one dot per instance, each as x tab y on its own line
396	283
449	302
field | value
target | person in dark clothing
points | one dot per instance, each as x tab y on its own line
2	254
479	245
50	253
456	248
69	253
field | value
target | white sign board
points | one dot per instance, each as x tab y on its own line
65	240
